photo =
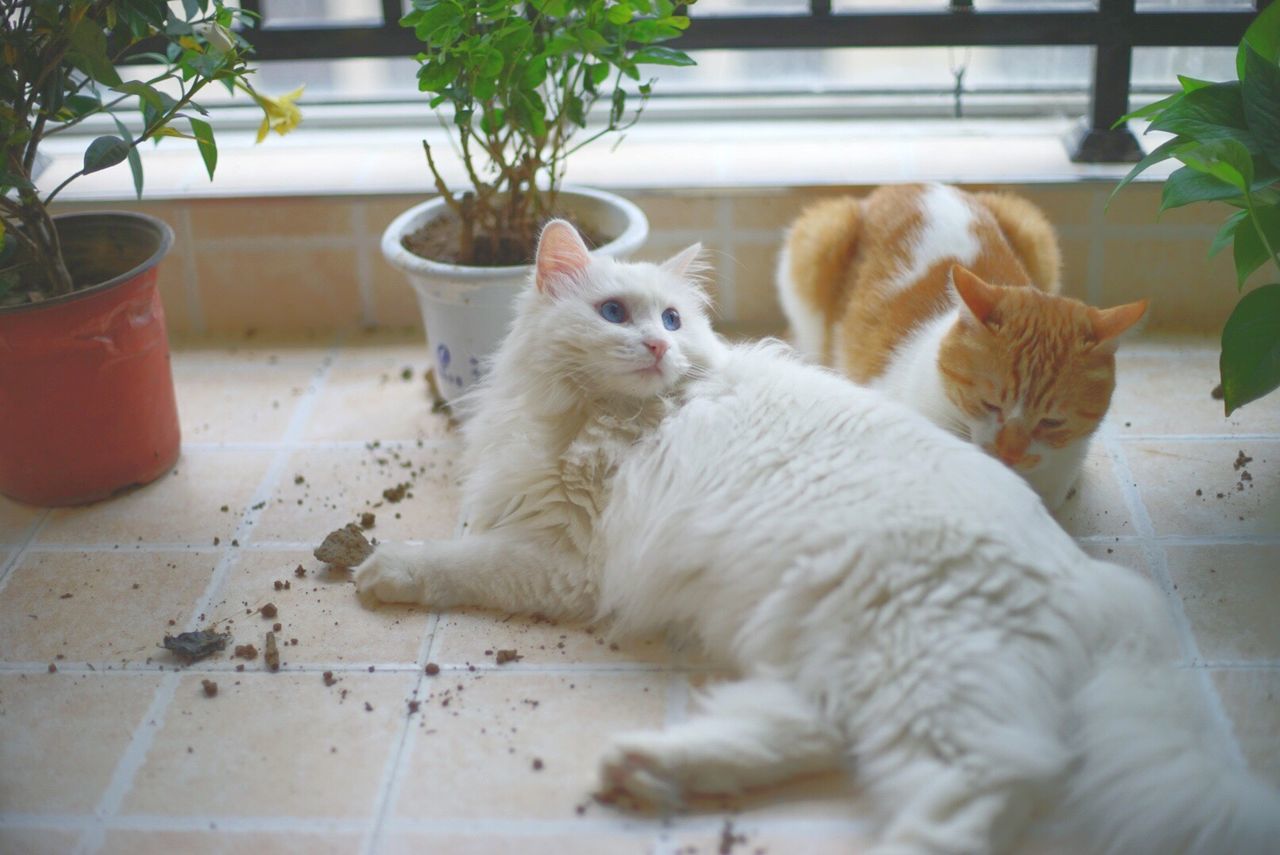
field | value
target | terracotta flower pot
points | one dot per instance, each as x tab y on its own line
86	393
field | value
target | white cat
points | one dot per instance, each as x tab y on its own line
893	598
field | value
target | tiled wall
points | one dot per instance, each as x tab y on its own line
312	264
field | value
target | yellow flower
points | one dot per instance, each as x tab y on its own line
281	114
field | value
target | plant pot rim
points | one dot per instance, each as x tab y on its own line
158	225
394	251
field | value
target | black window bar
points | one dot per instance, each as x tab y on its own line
1114	29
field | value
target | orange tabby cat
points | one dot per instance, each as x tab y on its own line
948	302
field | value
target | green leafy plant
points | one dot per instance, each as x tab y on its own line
521	80
1227	136
62	64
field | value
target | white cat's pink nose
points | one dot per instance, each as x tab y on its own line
657	348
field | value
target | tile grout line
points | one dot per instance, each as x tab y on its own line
393	771
1157	559
135	754
23	547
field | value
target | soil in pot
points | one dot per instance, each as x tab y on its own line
439	240
91	258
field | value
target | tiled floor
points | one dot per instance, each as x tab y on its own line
119	749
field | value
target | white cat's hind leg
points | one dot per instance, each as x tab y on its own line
749	734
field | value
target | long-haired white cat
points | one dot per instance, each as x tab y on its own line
896	601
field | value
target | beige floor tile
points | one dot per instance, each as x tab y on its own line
562	842
38	841
738	835
222	842
368	396
341	483
1170	474
1229	594
1097	505
832	797
246	396
16	520
470	636
61	736
320	610
1164	389
273	745
1124	554
1252	700
181	507
497	726
99	606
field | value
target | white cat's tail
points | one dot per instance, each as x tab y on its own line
1152	776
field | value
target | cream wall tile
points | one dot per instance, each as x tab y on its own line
755	298
223	841
1139	205
319	609
470	636
1075	267
1170	474
395	303
96	607
1063	204
215	219
1252	700
285	289
66	755
690	211
775	210
492	730
181	507
1229	593
1188	291
291	745
379	211
341	484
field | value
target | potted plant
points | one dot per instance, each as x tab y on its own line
1227	136
519	82
86	396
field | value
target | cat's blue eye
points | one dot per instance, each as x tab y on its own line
613	311
671	319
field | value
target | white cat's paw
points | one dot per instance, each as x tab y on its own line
391	575
630	769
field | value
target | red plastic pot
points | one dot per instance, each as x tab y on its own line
86	393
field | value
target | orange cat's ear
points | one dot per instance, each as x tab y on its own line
562	257
979	297
1108	324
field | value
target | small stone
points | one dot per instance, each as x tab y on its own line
269	610
210	688
367	519
432	669
502	657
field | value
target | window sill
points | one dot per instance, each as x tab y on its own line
708	154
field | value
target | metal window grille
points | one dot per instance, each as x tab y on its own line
1113	29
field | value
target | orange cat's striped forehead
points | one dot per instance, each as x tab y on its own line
1035	354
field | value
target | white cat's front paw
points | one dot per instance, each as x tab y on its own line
391	575
628	771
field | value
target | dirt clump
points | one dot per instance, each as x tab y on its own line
245	651
269	610
193	646
271	653
397	493
346	547
329	679
367	520
502	657
210	688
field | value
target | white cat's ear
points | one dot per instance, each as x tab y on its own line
977	296
687	263
1109	324
562	257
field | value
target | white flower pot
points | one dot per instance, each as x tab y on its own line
467	310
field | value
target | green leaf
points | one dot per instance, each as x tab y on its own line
492	120
491	65
659	55
1191	84
1164	151
1227	233
1250	362
534	73
599	72
1249	250
89	52
104	152
1152	109
1262	102
135	162
1263	36
1213	113
620	14
1187	185
1226	160
204	139
618	106
143	90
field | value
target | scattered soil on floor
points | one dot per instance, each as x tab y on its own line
502	657
397	493
271	653
245	651
728	840
210	688
1216	393
329	679
193	646
269	610
345	547
367	520
432	669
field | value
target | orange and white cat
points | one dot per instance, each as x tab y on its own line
947	301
